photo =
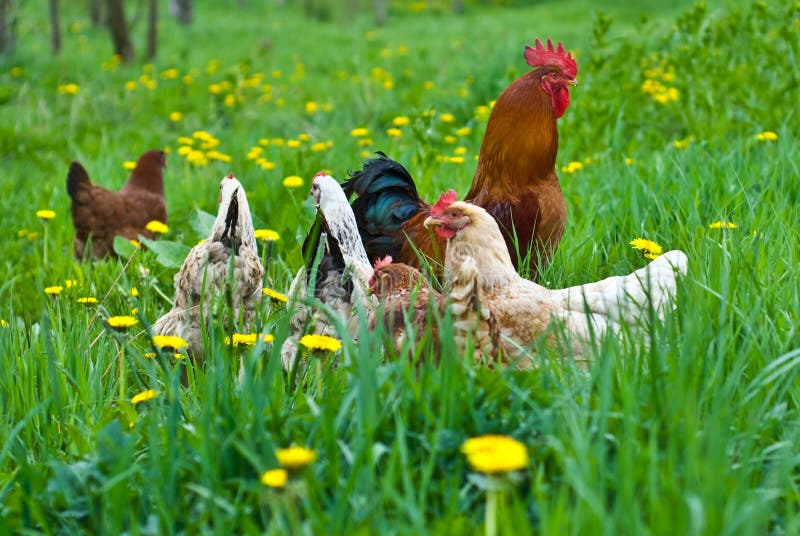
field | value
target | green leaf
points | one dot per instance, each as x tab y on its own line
168	254
123	247
202	222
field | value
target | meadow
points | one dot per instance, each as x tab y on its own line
683	130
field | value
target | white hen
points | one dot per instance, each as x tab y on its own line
206	278
342	271
521	311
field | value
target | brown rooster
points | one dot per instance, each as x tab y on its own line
515	180
100	214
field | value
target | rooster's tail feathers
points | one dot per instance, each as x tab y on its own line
387	198
76	176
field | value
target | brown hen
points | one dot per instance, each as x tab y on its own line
99	214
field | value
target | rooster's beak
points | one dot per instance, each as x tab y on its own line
430	221
572	82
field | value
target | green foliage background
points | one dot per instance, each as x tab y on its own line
696	434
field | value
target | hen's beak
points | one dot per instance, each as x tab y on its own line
572	82
430	221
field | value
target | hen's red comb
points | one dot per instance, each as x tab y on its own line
445	200
229	175
320	174
540	55
386	261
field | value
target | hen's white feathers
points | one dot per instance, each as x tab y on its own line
339	277
226	260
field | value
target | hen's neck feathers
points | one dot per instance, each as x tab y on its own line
483	241
342	225
520	142
244	224
147	175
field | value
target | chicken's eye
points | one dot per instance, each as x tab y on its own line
454	214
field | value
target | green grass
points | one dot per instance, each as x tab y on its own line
695	435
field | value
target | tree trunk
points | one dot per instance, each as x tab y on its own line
54	26
381	10
181	9
152	29
118	27
96	12
8	27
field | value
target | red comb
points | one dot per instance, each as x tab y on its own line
550	55
445	200
386	261
319	174
229	175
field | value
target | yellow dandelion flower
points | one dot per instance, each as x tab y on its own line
88	300
495	454
722	225
274	478
169	341
265	164
55	290
134	292
3	323
144	396
45	214
230	100
428	85
156	227
320	342
135	243
170	74
651	249
463	131
682	144
450	139
135	311
274	295
247	339
121	322
319	146
311	107
69	283
293	181
68	89
295	458
303	137
456	159
267	234
365	142
359	132
394	132
175	117
278	142
130	85
401	120
293	144
767	135
447	118
572	167
216	155
459	151
183	140
630	161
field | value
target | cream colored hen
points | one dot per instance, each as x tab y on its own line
224	268
520	311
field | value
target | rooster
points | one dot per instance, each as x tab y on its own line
523	310
336	270
515	180
205	278
100	214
